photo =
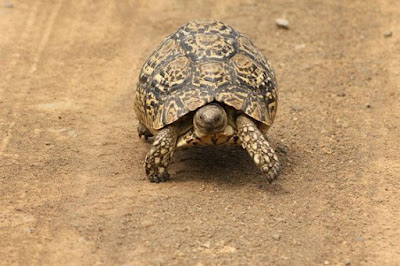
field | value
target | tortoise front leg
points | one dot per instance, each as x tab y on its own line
258	147
160	154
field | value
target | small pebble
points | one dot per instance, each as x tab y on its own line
8	5
300	46
282	23
276	236
72	133
360	238
341	94
388	34
297	108
347	262
368	105
205	245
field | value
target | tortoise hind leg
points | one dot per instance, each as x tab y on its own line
143	131
258	147
159	156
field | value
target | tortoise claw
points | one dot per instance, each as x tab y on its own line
271	172
159	178
143	131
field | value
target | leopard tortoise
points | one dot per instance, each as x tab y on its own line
206	84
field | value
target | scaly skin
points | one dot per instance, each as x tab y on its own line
159	156
258	147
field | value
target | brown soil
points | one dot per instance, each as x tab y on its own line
72	182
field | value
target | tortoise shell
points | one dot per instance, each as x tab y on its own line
202	62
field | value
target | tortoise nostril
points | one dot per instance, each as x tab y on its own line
201	117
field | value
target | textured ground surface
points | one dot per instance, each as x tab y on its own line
72	186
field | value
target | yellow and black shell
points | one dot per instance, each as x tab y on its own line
202	62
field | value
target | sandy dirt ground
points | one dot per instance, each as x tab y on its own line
72	184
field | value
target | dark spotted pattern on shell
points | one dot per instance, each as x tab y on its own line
205	61
208	47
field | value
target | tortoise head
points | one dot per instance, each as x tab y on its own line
210	119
